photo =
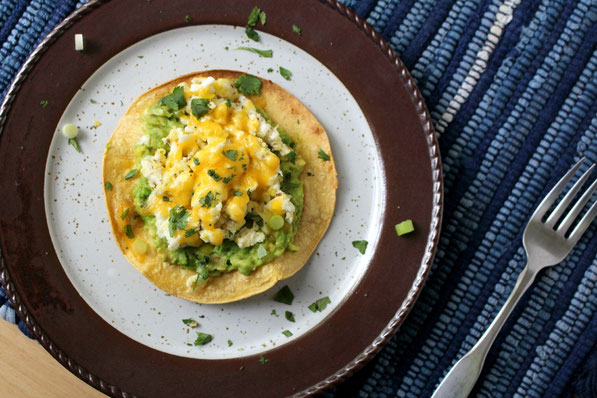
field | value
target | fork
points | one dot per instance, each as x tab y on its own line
547	241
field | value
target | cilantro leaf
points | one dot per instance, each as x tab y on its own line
263	360
178	219
319	305
289	315
203	338
284	296
287	333
237	193
285	73
196	161
207	199
228	103
190	322
175	100
109	185
263	53
361	245
323	156
130	174
75	144
230	343
248	84
296	29
190	232
251	33
199	107
44	103
231	154
228	179
212	173
187	19
254	16
262	17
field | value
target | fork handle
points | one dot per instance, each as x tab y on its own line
461	379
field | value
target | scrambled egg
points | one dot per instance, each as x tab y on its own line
220	166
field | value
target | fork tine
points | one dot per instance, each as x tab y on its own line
584	224
575	211
568	198
556	191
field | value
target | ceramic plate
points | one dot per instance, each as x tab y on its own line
109	325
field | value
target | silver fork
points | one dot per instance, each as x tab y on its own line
546	243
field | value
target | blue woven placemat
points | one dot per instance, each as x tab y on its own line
512	90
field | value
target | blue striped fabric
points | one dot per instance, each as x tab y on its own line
512	89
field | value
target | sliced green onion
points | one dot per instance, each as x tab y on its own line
405	227
276	222
139	246
129	232
70	130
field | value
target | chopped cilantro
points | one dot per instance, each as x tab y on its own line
287	333
109	185
319	305
129	232
75	144
263	360
190	232
289	315
44	103
124	214
207	199
231	154
199	107
361	245
187	19
261	252
274	313
190	322
165	199
228	103
203	338
212	173
285	73
296	29
284	296
228	179
237	193
196	161
251	33
263	53
230	343
262	17
130	174
270	69
178	219
93	101
323	156
140	56
292	157
254	16
175	100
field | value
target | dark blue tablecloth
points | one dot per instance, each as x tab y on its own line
512	90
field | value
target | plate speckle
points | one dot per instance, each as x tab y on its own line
83	239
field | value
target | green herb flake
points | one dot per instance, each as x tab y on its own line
109	186
289	315
323	156
320	305
124	214
263	360
237	193
263	53
296	29
254	16
44	103
175	100
199	107
165	199
284	296
190	232
75	144
262	18
361	245
270	70
190	322
251	33
203	338
187	19
287	333
93	101
212	173
196	161
207	199
231	154
178	219
129	232
274	313
228	103
292	157
405	227
242	367
230	343
285	73
130	174
140	56
261	252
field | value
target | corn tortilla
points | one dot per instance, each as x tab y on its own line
319	196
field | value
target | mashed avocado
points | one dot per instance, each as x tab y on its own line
209	259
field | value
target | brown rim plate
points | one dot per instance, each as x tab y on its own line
107	359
